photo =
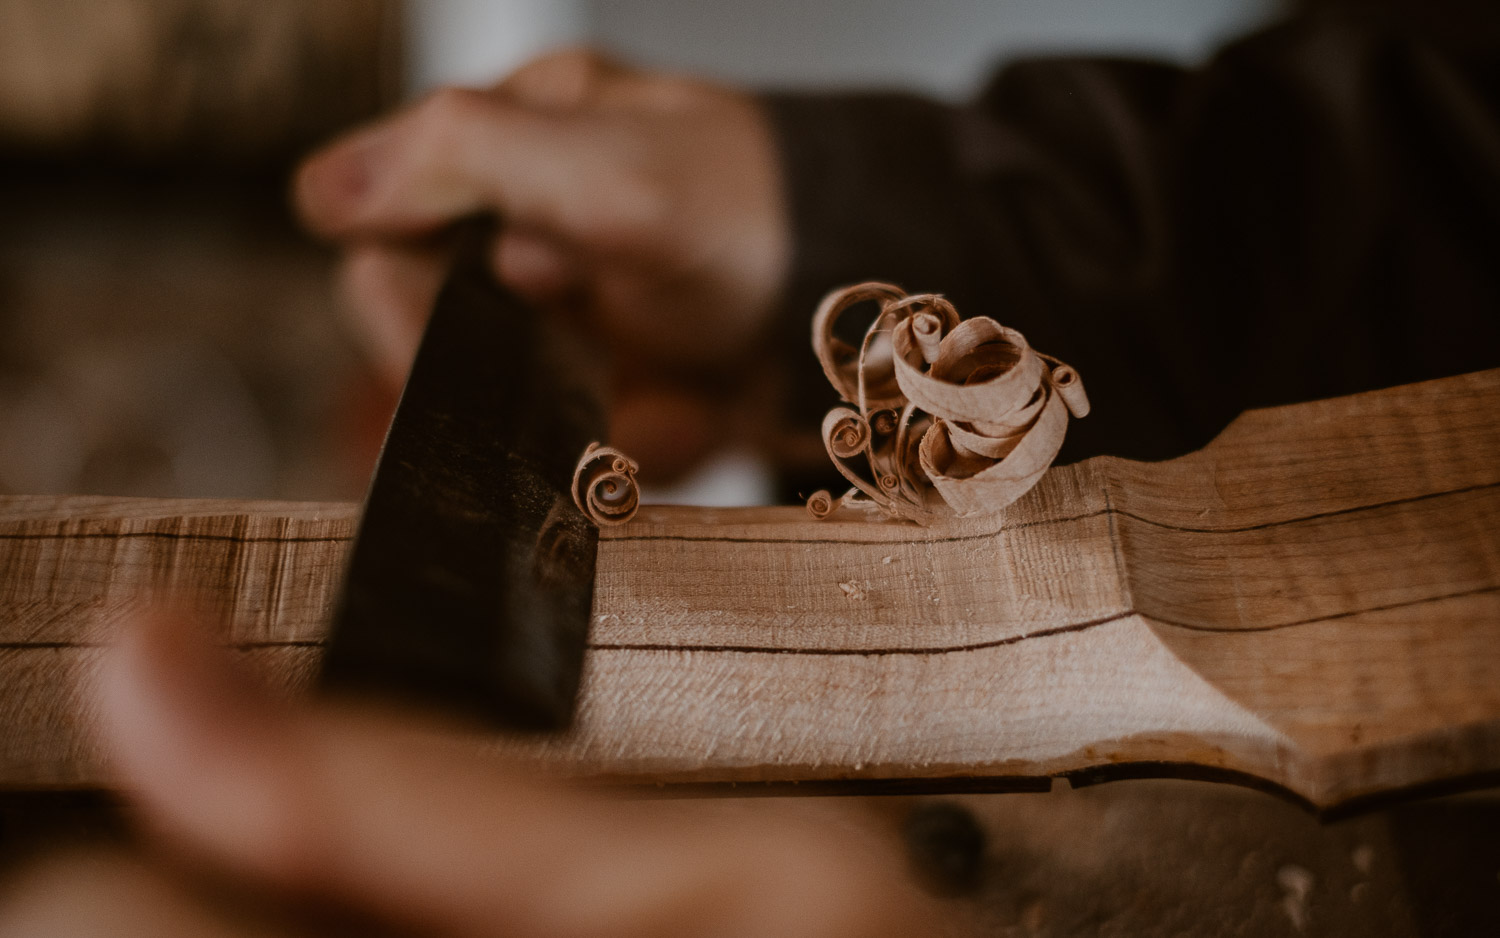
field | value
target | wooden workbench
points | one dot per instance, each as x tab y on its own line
1311	604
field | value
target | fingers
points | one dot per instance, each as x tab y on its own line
406	175
652	204
407	826
562	81
461	152
179	723
106	894
305	801
573	80
540	267
388	292
388	289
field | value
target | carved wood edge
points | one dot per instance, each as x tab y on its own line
1311	603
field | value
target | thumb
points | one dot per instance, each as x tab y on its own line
464	151
415	828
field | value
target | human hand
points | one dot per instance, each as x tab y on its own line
649	206
404	826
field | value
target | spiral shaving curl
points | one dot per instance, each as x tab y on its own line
949	416
604	486
821	504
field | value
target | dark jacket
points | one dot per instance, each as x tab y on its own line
1314	212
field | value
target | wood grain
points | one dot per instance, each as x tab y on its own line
1310	602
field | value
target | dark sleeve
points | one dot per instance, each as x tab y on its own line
1314	212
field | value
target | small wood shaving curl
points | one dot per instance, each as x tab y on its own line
948	416
820	504
604	485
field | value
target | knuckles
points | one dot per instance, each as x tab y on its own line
636	162
635	206
566	79
452	107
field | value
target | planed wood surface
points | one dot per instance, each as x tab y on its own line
1310	602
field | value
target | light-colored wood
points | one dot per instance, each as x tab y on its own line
1313	600
947	415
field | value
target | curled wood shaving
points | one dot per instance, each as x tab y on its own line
604	486
820	504
948	416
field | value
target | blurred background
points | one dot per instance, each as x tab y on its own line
166	330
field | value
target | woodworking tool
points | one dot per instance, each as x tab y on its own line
470	583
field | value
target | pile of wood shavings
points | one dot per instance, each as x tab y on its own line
948	416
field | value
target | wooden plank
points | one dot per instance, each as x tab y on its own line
1312	601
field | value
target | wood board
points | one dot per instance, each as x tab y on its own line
1312	602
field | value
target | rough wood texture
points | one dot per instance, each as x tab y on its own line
1312	601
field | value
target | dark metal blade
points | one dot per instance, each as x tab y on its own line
471	580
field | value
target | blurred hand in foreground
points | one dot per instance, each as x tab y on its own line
650	206
406	828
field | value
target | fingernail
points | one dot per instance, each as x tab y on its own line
332	186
